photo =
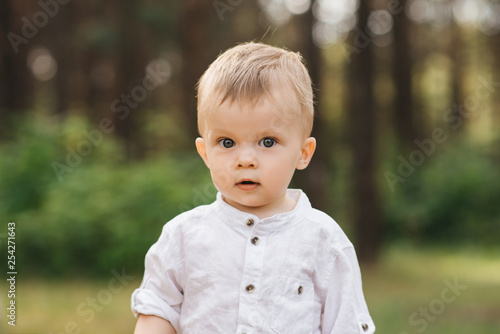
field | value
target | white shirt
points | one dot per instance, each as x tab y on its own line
216	269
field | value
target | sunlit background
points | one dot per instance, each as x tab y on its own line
97	130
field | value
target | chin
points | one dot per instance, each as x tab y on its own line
248	203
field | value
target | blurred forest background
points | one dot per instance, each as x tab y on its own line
98	121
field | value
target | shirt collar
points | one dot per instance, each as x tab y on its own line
239	219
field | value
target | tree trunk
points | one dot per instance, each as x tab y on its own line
195	37
58	37
405	117
131	71
495	74
315	180
17	84
455	52
363	141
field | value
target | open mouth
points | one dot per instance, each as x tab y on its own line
247	185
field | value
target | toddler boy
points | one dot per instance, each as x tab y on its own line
259	259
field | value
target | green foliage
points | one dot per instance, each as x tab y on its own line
25	170
451	198
103	215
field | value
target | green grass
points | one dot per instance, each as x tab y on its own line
71	307
405	281
407	292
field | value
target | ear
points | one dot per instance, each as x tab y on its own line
307	153
202	150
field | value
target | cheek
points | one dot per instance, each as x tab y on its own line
219	171
213	159
287	160
220	179
280	169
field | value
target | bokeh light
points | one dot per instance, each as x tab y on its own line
297	7
42	64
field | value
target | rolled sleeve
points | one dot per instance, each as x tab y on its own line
160	293
147	302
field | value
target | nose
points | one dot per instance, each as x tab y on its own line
247	158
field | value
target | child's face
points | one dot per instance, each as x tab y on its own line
252	152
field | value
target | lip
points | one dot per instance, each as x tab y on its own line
247	185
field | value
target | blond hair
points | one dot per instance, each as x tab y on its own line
248	71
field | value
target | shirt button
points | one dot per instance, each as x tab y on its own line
255	241
365	327
250	222
250	288
300	289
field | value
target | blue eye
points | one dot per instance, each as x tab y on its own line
226	143
267	142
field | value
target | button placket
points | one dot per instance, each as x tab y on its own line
251	275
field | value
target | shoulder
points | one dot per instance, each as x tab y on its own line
175	230
334	252
189	219
328	231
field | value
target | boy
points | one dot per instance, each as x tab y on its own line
259	259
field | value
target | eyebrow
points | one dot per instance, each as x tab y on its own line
232	135
220	132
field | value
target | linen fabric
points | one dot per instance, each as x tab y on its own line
216	269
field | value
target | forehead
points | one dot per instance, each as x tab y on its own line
272	112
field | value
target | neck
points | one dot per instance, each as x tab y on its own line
286	204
